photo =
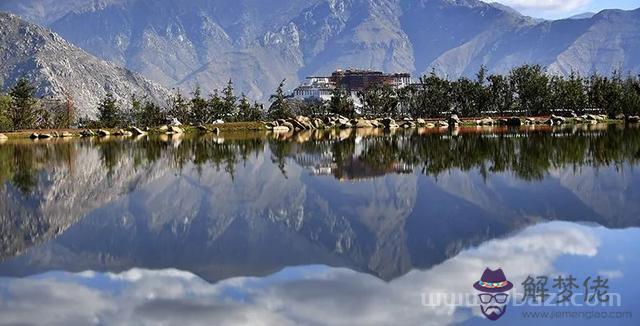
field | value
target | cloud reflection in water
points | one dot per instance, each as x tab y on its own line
311	295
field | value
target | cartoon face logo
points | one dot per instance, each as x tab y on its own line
494	287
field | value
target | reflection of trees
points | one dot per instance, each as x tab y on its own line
20	163
280	149
527	155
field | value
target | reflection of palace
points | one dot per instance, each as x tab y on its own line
319	164
353	166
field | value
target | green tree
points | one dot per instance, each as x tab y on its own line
341	103
64	114
179	108
23	111
631	99
256	113
109	112
243	108
280	108
228	103
151	114
531	86
465	93
199	107
569	94
308	107
433	98
606	93
482	93
214	107
379	100
5	106
248	112
500	95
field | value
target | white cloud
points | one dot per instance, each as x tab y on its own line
326	296
546	5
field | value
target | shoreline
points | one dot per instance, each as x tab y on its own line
261	126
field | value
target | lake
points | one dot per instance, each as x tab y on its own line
337	227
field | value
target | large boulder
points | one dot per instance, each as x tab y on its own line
454	120
305	122
3	137
280	129
442	124
389	123
298	125
137	131
87	133
558	120
103	133
340	120
513	122
487	122
407	124
288	125
317	123
176	130
364	123
122	132
633	119
34	136
66	134
345	125
45	136
376	124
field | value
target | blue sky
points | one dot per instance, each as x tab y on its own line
554	9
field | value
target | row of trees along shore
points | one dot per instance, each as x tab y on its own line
525	91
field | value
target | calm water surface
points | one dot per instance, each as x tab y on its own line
340	228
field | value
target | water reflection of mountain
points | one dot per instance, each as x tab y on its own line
246	207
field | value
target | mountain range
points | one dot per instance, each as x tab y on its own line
189	43
58	69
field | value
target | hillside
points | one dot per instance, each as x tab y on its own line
184	43
58	68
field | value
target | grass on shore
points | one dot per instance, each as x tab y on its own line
226	127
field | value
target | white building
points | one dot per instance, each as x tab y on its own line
319	88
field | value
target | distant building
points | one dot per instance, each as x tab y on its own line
315	88
352	80
360	80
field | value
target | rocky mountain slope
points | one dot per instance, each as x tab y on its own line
58	68
184	43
